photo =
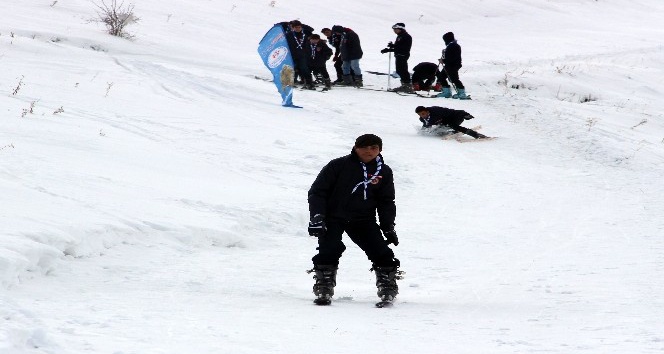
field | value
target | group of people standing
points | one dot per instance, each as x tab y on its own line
310	55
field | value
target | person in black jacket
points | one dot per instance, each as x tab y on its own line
319	55
298	41
446	117
345	197
401	48
287	26
350	51
334	40
451	60
424	75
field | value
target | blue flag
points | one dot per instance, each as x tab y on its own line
274	51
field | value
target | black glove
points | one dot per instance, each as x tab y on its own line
385	50
317	225
391	237
390	45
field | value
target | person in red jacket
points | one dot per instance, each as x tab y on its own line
345	197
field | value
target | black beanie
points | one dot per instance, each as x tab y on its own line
399	25
337	29
419	109
368	140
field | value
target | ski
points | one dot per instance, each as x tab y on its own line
414	93
463	141
363	88
380	73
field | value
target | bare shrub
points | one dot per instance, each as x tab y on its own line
116	17
18	87
587	98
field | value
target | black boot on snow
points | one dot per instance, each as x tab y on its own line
386	282
326	280
348	81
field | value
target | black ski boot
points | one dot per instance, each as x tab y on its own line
386	282
326	280
357	81
406	87
348	81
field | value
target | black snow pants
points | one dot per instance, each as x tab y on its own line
366	234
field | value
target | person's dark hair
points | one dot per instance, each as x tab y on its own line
419	109
325	29
295	23
448	37
368	140
314	36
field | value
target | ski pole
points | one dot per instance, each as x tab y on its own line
450	80
389	70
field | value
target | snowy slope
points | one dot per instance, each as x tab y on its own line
154	192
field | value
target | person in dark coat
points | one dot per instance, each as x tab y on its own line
334	40
401	48
320	53
452	118
298	42
350	52
424	76
451	60
345	197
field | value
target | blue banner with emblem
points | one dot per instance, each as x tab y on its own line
274	51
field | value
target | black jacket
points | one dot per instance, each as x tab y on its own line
426	69
298	44
335	40
452	55
402	45
330	194
444	116
350	47
319	54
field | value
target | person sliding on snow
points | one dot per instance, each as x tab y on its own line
345	197
401	48
451	60
446	117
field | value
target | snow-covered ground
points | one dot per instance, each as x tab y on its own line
153	193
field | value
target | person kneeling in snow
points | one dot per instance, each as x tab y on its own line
452	118
424	76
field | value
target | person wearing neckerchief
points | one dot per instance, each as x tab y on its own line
298	41
345	197
320	54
